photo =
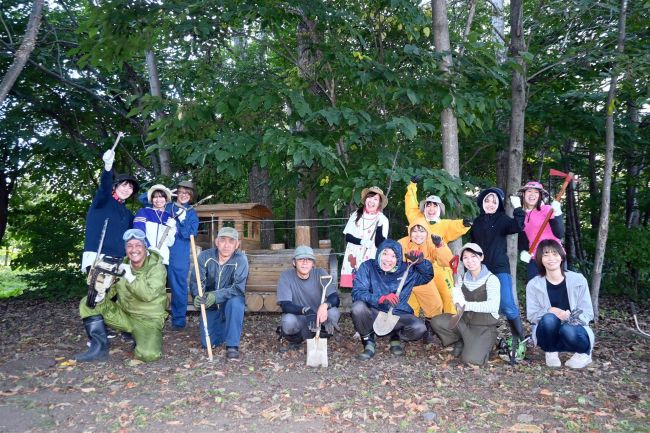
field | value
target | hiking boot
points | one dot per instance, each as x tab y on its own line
291	347
553	359
368	351
579	360
457	348
232	353
396	348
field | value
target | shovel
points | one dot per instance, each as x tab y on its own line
317	347
385	321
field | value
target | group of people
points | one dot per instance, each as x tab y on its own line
413	278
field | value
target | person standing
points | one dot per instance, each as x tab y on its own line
366	229
490	231
159	225
533	196
109	204
558	304
299	294
223	271
476	333
179	254
432	210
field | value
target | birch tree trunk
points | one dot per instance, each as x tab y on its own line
603	226
154	84
517	120
26	47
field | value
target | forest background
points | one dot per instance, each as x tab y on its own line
300	105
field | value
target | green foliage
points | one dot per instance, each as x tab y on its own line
55	283
12	283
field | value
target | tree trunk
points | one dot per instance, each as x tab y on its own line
603	227
26	47
517	119
498	31
633	165
448	123
306	205
593	187
154	83
259	191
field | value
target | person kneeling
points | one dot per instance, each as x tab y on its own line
139	308
476	332
299	295
375	289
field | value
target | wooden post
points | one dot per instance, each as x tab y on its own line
302	235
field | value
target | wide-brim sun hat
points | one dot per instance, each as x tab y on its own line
159	187
533	185
376	190
432	199
186	184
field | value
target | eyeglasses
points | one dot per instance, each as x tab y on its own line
134	234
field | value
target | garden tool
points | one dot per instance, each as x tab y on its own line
386	321
526	256
454	319
199	290
167	228
317	347
636	322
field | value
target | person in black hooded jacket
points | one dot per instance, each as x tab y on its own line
490	231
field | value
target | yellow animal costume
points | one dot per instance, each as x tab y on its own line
448	230
426	297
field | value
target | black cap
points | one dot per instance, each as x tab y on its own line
119	178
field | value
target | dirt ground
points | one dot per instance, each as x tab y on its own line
266	391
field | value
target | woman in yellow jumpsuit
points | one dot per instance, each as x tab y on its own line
432	209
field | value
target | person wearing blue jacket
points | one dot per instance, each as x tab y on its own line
374	290
108	204
179	253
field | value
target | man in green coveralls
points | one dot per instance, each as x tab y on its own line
139	308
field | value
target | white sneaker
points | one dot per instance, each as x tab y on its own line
553	359
579	360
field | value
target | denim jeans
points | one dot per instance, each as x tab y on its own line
553	336
225	323
507	305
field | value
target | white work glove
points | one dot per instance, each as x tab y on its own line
516	201
367	243
557	209
525	256
171	223
128	275
458	297
109	157
181	215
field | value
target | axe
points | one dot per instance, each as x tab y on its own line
567	178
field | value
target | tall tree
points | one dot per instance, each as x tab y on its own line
26	47
610	109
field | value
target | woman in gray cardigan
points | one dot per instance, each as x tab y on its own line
558	304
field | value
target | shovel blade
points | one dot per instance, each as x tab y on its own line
453	320
317	352
384	323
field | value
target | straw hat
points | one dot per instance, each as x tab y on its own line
376	190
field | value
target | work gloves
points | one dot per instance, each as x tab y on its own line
414	256
171	223
557	209
437	240
417	178
467	222
458	297
128	274
208	299
390	298
181	215
525	256
516	201
109	157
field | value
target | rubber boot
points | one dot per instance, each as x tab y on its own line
369	346
96	331
428	337
396	346
294	340
517	330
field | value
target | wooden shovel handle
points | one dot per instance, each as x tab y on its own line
199	290
558	197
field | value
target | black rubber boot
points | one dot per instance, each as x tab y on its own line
516	328
396	346
96	331
428	337
369	346
294	340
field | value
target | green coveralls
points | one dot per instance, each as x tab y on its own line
139	309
